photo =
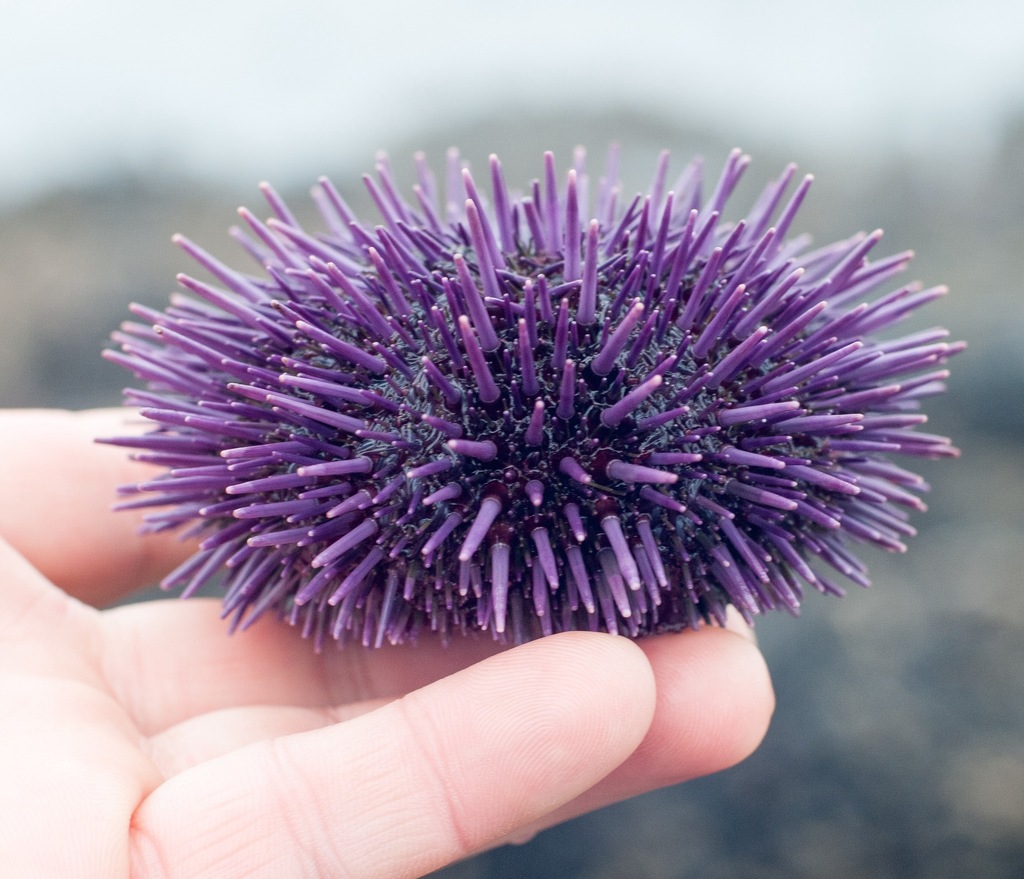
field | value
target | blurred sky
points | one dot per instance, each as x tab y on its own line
244	91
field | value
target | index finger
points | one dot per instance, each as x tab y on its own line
59	485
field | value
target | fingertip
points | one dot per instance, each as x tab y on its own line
735	623
715	702
637	677
552	718
603	685
617	668
747	717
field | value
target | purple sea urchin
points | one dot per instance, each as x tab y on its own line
503	417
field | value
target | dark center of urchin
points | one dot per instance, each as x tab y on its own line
529	421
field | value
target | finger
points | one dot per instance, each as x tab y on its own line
416	784
59	487
247	703
715	700
714	703
168	661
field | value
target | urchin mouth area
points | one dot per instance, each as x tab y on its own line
515	422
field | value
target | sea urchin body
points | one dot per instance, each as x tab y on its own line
502	416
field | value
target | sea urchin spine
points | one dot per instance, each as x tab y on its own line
506	417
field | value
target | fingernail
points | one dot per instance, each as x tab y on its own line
734	622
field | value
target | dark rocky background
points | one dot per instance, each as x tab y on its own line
897	748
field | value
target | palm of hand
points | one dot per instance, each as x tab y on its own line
144	742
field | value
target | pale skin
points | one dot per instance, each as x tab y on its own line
145	742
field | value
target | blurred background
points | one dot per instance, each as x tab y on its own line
897	749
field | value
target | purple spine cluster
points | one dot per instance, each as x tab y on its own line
523	414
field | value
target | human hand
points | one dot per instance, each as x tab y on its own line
144	742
